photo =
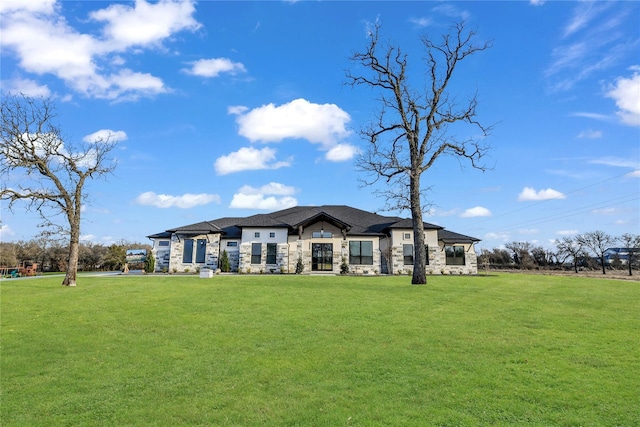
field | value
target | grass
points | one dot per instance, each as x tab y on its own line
323	351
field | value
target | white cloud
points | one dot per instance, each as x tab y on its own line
421	22
144	23
626	93
567	232
318	123
106	135
45	43
528	231
590	134
274	188
341	152
616	162
634	174
264	197
248	158
498	235
26	86
536	2
6	232
214	67
476	212
605	211
185	201
530	194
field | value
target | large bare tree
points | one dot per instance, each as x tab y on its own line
598	242
47	172
413	126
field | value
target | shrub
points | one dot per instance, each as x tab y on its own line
344	267
299	265
225	267
150	263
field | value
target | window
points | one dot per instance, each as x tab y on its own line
163	243
272	234
256	234
407	236
407	254
201	251
256	253
229	244
322	235
187	251
271	253
361	252
454	255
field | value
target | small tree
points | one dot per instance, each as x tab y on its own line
225	267
54	171
149	263
413	126
299	265
598	242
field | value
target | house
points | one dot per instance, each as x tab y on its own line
321	238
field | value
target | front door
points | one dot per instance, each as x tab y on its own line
322	257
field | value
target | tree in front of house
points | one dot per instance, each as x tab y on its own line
414	125
53	172
225	266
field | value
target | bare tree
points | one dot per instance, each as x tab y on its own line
412	127
598	242
521	253
570	248
54	171
632	243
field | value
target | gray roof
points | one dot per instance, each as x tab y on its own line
355	222
450	237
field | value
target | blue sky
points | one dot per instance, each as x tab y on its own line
236	108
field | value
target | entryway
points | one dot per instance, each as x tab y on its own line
322	257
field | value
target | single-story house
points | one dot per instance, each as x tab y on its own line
317	238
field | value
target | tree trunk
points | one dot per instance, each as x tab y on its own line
420	256
604	271
74	251
575	266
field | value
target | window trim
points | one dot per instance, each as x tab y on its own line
187	255
254	254
272	253
405	256
452	260
201	251
358	258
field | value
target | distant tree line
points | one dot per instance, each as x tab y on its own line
586	251
52	255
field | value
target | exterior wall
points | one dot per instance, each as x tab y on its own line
161	254
233	252
289	248
436	255
212	253
263	236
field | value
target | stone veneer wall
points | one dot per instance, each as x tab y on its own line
437	262
212	253
281	265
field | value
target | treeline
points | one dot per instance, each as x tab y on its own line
589	251
52	256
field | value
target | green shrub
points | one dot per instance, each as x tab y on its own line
225	267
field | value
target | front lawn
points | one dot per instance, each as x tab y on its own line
320	351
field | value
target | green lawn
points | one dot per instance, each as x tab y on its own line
320	351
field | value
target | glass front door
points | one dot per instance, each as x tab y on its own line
322	257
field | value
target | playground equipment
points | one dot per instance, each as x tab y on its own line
26	268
